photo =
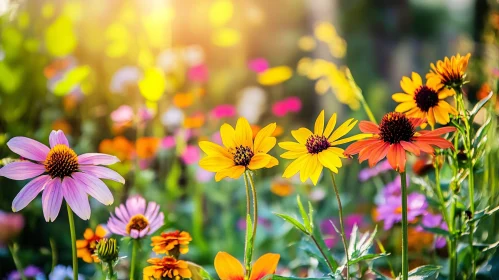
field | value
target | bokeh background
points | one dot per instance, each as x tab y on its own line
146	80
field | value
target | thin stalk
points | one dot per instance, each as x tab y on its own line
134	257
405	244
247	262
367	109
54	253
13	250
322	252
342	227
73	241
255	211
110	270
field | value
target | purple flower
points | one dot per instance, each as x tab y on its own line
367	173
331	237
394	188
30	271
390	212
60	173
134	219
435	221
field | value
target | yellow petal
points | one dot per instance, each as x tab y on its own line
343	129
228	267
330	126
266	145
351	138
431	117
407	86
319	124
233	172
402	97
295	166
329	159
301	135
294	154
316	174
441	116
292	146
213	149
81	244
406	106
228	135
273	162
309	167
100	231
262	135
416	80
215	163
259	161
265	265
244	134
88	234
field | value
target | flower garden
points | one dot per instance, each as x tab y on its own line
206	140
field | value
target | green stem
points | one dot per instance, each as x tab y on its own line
54	253
255	212
247	261
13	250
342	227
322	252
367	109
405	245
134	257
110	270
73	241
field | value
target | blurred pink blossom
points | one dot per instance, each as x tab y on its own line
10	225
198	73
223	111
168	142
204	176
216	138
190	155
258	65
288	105
123	114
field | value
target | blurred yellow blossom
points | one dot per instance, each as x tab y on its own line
221	12
306	43
226	37
325	31
60	39
118	38
275	75
152	86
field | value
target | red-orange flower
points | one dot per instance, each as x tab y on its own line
86	247
119	146
393	137
176	241
147	147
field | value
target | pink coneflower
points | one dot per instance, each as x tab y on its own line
60	173
135	220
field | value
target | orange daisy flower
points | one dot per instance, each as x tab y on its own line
229	268
393	137
167	268
450	72
86	247
171	243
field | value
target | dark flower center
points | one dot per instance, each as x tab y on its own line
137	222
316	144
243	155
426	98
396	127
61	161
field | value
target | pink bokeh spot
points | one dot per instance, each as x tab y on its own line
168	142
223	111
198	73
123	114
190	155
258	65
288	105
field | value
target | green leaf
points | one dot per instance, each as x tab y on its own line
171	183
322	245
249	240
311	214
479	106
437	230
60	39
481	133
367	257
294	222
424	272
304	216
458	126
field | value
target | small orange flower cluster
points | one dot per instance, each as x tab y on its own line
86	247
172	244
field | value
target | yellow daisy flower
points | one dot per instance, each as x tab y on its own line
240	152
424	101
318	149
450	72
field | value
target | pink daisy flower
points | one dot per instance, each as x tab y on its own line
135	220
60	173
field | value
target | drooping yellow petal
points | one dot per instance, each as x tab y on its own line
316	174
228	135
265	265
215	163
301	135
262	135
259	161
343	129
244	133
233	172
213	149
330	126
228	267
319	124
308	167
295	166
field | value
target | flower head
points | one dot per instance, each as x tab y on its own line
450	72
107	250
318	149
240	152
424	101
134	219
391	210
393	137
167	268
86	247
229	268
171	243
60	173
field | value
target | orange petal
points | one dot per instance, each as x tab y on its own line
368	127
88	234
100	231
265	265
408	146
228	267
358	146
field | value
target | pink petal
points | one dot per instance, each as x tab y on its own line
57	137
97	159
102	173
52	199
134	234
22	170
94	187
29	192
28	148
144	232
76	197
136	205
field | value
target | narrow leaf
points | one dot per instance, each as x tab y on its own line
294	222
304	216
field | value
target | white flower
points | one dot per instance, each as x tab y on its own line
252	103
173	117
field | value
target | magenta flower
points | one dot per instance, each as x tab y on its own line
135	220
198	73
190	155
258	65
288	105
223	111
60	173
390	212
331	237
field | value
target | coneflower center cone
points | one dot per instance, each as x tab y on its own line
316	144
243	155
137	222
61	161
426	98
396	127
